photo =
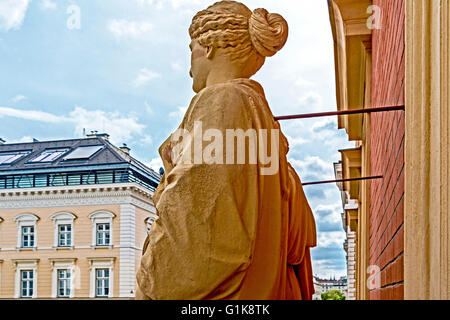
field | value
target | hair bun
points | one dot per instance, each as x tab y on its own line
268	32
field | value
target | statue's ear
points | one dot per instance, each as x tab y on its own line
210	52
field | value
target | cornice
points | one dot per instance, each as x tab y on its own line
84	195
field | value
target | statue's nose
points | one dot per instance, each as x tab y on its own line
190	73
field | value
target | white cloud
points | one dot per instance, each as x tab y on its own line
295	142
48	5
301	82
145	76
333	239
311	100
18	98
22	140
313	166
12	14
121	128
174	4
124	28
176	66
149	109
32	115
155	164
147	139
179	114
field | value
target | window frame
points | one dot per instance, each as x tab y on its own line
26	220
106	234
63	264
31	237
1	220
148	224
103	280
67	281
102	217
28	280
24	154
25	265
59	219
63	151
101	263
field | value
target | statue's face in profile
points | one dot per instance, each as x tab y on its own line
200	65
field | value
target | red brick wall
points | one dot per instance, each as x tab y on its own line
387	138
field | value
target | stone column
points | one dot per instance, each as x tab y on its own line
427	167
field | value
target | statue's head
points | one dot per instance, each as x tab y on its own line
229	39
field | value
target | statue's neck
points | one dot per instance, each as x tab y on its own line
222	75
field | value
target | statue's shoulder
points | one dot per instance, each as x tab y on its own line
235	91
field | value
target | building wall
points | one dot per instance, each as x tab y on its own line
387	151
125	254
351	263
82	237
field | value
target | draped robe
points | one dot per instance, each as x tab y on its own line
226	231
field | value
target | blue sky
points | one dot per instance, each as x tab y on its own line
124	71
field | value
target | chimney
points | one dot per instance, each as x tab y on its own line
2	141
95	134
125	148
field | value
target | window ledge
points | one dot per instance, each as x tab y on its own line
25	249
102	247
63	248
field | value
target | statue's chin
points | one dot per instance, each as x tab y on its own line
197	88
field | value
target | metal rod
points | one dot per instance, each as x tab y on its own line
340	113
343	180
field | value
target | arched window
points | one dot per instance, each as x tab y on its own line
102	228
26	230
63	234
1	220
148	223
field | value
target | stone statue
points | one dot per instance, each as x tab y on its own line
233	223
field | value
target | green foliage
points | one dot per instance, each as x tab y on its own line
333	295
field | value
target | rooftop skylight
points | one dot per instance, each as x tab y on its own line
49	155
81	153
12	156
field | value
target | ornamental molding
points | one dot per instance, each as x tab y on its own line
67	196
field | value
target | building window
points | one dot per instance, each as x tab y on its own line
26	230
26	283
102	228
102	277
28	237
101	283
64	235
148	224
64	277
64	283
25	278
1	220
103	234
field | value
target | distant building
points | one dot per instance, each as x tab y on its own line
74	215
349	224
324	285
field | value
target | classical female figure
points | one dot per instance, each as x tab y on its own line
229	229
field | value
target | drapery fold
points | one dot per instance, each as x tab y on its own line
226	231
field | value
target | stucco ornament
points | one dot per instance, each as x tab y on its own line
234	222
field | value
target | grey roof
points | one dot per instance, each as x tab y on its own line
109	155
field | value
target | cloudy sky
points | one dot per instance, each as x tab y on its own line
123	69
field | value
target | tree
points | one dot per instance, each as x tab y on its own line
333	295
